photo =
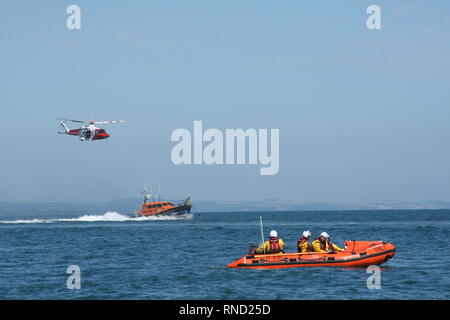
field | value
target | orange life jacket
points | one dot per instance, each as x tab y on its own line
274	245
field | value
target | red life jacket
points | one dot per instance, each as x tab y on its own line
274	245
301	241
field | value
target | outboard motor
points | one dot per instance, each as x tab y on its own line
253	248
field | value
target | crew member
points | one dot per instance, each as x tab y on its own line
303	244
273	245
323	244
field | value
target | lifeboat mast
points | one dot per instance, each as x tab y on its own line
147	195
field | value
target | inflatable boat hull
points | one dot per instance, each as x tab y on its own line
357	254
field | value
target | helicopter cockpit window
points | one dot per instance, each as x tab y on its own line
87	133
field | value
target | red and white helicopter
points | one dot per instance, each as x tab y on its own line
88	132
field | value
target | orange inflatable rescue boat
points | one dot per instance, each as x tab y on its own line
356	254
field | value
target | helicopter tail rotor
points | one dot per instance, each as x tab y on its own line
62	127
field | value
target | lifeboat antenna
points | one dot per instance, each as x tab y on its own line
262	233
159	191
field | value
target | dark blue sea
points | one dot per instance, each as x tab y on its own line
123	258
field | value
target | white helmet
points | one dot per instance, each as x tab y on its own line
273	234
325	235
306	234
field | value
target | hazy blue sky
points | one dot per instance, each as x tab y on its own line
362	114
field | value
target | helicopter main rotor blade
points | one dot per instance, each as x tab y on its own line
72	120
107	122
